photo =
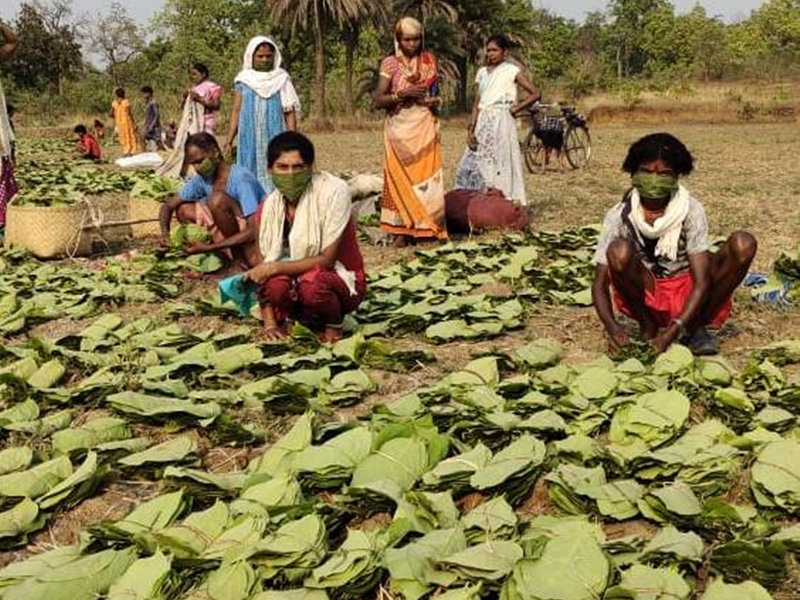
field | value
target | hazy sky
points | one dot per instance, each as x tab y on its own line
142	10
727	9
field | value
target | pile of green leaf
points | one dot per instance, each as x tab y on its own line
428	495
155	188
59	183
608	443
479	289
188	233
53	148
33	292
144	377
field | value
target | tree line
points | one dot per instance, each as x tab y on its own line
68	61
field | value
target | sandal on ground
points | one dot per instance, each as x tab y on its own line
701	342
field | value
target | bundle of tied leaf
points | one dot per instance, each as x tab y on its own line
474	289
33	292
439	470
57	184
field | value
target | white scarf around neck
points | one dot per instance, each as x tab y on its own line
322	214
667	228
263	83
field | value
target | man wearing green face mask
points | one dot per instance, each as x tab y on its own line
308	265
219	197
653	257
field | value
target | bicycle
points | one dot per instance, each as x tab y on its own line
567	134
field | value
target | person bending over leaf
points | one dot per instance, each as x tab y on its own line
219	197
653	256
309	266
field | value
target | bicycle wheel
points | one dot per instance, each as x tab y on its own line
533	152
578	146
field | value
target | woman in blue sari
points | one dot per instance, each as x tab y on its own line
265	104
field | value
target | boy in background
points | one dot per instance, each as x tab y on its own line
151	130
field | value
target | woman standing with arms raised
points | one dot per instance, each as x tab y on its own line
413	192
492	132
265	104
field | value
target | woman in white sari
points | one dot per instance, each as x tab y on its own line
493	159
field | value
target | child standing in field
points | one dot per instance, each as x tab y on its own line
99	130
151	131
126	126
87	145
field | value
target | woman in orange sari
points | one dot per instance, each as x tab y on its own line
413	190
126	126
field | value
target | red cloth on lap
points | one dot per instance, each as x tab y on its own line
667	300
318	297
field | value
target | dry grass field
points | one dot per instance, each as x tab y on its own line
747	176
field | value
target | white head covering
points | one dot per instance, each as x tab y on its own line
408	25
263	83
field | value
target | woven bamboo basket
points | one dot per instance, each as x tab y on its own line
144	208
111	208
49	231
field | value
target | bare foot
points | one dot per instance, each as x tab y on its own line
330	334
274	333
400	241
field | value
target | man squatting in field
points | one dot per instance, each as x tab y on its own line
220	197
305	260
653	255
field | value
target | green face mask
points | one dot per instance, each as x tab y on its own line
655	186
206	169
262	65
292	185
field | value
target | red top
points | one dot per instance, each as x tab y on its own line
348	253
91	146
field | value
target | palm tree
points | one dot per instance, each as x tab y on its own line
351	31
428	8
317	16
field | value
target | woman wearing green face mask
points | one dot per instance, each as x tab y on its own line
221	198
265	104
654	255
308	265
